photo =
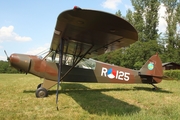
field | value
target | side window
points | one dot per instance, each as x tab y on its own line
87	64
68	60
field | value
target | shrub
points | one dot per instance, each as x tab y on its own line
174	74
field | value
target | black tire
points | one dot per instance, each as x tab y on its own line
41	93
154	89
39	85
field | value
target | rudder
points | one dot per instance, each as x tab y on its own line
153	67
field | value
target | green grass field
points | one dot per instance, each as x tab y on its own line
83	101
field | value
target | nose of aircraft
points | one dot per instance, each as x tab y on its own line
20	62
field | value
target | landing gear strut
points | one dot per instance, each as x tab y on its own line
155	87
39	85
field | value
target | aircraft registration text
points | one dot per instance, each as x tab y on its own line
111	73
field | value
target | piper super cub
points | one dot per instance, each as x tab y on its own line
79	35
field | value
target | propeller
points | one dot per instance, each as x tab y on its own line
6	55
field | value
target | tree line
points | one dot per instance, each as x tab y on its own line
6	68
145	19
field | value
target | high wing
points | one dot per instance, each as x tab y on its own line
80	29
87	33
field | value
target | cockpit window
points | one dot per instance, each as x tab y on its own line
70	60
51	57
87	64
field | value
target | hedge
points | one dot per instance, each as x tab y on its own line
173	74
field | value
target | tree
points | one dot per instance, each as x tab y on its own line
145	18
178	13
5	68
151	20
129	17
171	36
138	21
133	57
138	53
118	13
111	57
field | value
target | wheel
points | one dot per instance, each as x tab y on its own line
39	85
154	89
41	92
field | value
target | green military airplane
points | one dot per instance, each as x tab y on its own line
79	35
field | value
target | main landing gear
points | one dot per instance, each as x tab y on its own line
41	92
39	85
155	87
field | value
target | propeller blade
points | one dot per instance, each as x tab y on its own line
6	55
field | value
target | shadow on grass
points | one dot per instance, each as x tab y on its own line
95	102
151	89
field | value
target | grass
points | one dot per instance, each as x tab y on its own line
83	101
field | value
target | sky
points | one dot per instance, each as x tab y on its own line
27	26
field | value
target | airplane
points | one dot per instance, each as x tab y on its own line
81	34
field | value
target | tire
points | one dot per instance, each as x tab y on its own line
41	93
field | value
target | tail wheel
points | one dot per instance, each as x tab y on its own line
41	93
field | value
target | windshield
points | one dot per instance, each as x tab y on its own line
43	54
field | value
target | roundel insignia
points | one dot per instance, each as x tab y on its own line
111	73
151	66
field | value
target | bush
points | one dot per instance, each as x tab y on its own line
174	74
5	68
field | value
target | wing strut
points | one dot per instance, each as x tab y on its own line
77	62
60	77
60	69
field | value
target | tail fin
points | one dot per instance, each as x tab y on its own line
153	67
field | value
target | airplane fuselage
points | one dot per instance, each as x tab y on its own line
100	72
88	71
